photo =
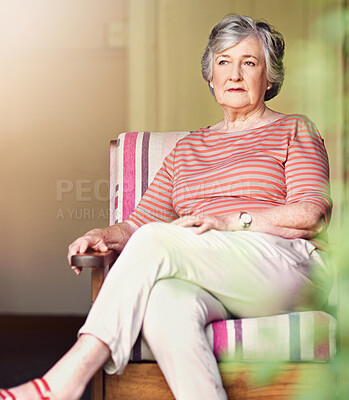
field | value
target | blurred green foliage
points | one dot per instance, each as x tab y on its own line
333	24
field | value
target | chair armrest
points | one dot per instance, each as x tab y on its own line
94	259
98	262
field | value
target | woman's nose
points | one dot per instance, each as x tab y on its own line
236	73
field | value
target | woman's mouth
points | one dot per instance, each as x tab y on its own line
236	90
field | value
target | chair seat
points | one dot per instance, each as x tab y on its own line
298	336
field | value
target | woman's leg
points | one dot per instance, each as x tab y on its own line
68	378
251	274
174	327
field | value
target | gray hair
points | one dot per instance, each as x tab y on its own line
231	30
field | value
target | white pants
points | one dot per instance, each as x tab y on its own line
171	283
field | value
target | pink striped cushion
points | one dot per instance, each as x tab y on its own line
300	336
135	157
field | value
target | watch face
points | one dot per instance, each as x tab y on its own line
245	218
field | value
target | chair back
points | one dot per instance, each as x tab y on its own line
135	157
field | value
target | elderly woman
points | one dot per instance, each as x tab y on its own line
233	224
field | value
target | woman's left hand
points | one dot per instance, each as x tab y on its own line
207	222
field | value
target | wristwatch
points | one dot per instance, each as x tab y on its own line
245	220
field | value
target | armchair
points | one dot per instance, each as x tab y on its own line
300	342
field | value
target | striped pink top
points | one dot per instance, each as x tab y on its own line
215	173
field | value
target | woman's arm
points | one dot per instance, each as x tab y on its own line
101	239
155	205
308	205
298	220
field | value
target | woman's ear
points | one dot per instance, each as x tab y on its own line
269	85
211	84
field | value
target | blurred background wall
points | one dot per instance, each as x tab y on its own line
63	96
75	73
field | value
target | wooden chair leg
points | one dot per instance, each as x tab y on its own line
97	383
97	278
98	262
97	386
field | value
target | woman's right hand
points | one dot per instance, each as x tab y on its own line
94	239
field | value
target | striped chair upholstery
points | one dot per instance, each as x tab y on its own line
135	157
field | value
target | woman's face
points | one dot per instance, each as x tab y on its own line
239	77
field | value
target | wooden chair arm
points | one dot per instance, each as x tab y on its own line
98	262
94	259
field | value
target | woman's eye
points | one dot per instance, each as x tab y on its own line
250	63
222	62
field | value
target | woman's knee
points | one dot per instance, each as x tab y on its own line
151	230
160	239
151	235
